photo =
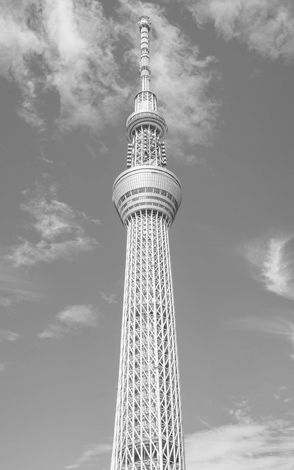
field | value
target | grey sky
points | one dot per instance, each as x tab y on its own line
223	72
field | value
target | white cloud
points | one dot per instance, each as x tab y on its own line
90	61
278	326
109	298
78	314
59	226
70	320
179	78
52	218
2	367
29	254
264	445
89	456
266	26
17	44
6	301
6	335
273	262
86	76
66	47
14	286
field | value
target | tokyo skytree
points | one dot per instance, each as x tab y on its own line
148	426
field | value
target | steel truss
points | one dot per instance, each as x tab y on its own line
148	432
146	148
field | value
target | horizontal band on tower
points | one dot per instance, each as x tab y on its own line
148	118
147	188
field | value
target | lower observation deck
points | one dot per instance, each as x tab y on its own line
147	187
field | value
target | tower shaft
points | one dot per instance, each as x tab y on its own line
148	426
148	431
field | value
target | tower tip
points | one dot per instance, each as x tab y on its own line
144	21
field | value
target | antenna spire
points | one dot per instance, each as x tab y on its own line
146	128
144	24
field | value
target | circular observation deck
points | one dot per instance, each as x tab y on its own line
147	187
139	118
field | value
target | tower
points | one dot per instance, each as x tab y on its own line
148	428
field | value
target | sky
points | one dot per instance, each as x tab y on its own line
223	72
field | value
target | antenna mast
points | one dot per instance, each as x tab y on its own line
144	24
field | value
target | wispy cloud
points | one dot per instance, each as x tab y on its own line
7	335
266	26
59	227
180	78
273	262
277	326
6	301
70	320
29	254
109	298
66	48
256	445
90	62
89	456
15	287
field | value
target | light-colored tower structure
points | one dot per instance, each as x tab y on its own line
148	427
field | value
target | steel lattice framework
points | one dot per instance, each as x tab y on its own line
148	427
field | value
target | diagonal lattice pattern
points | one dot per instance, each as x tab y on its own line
148	431
146	147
